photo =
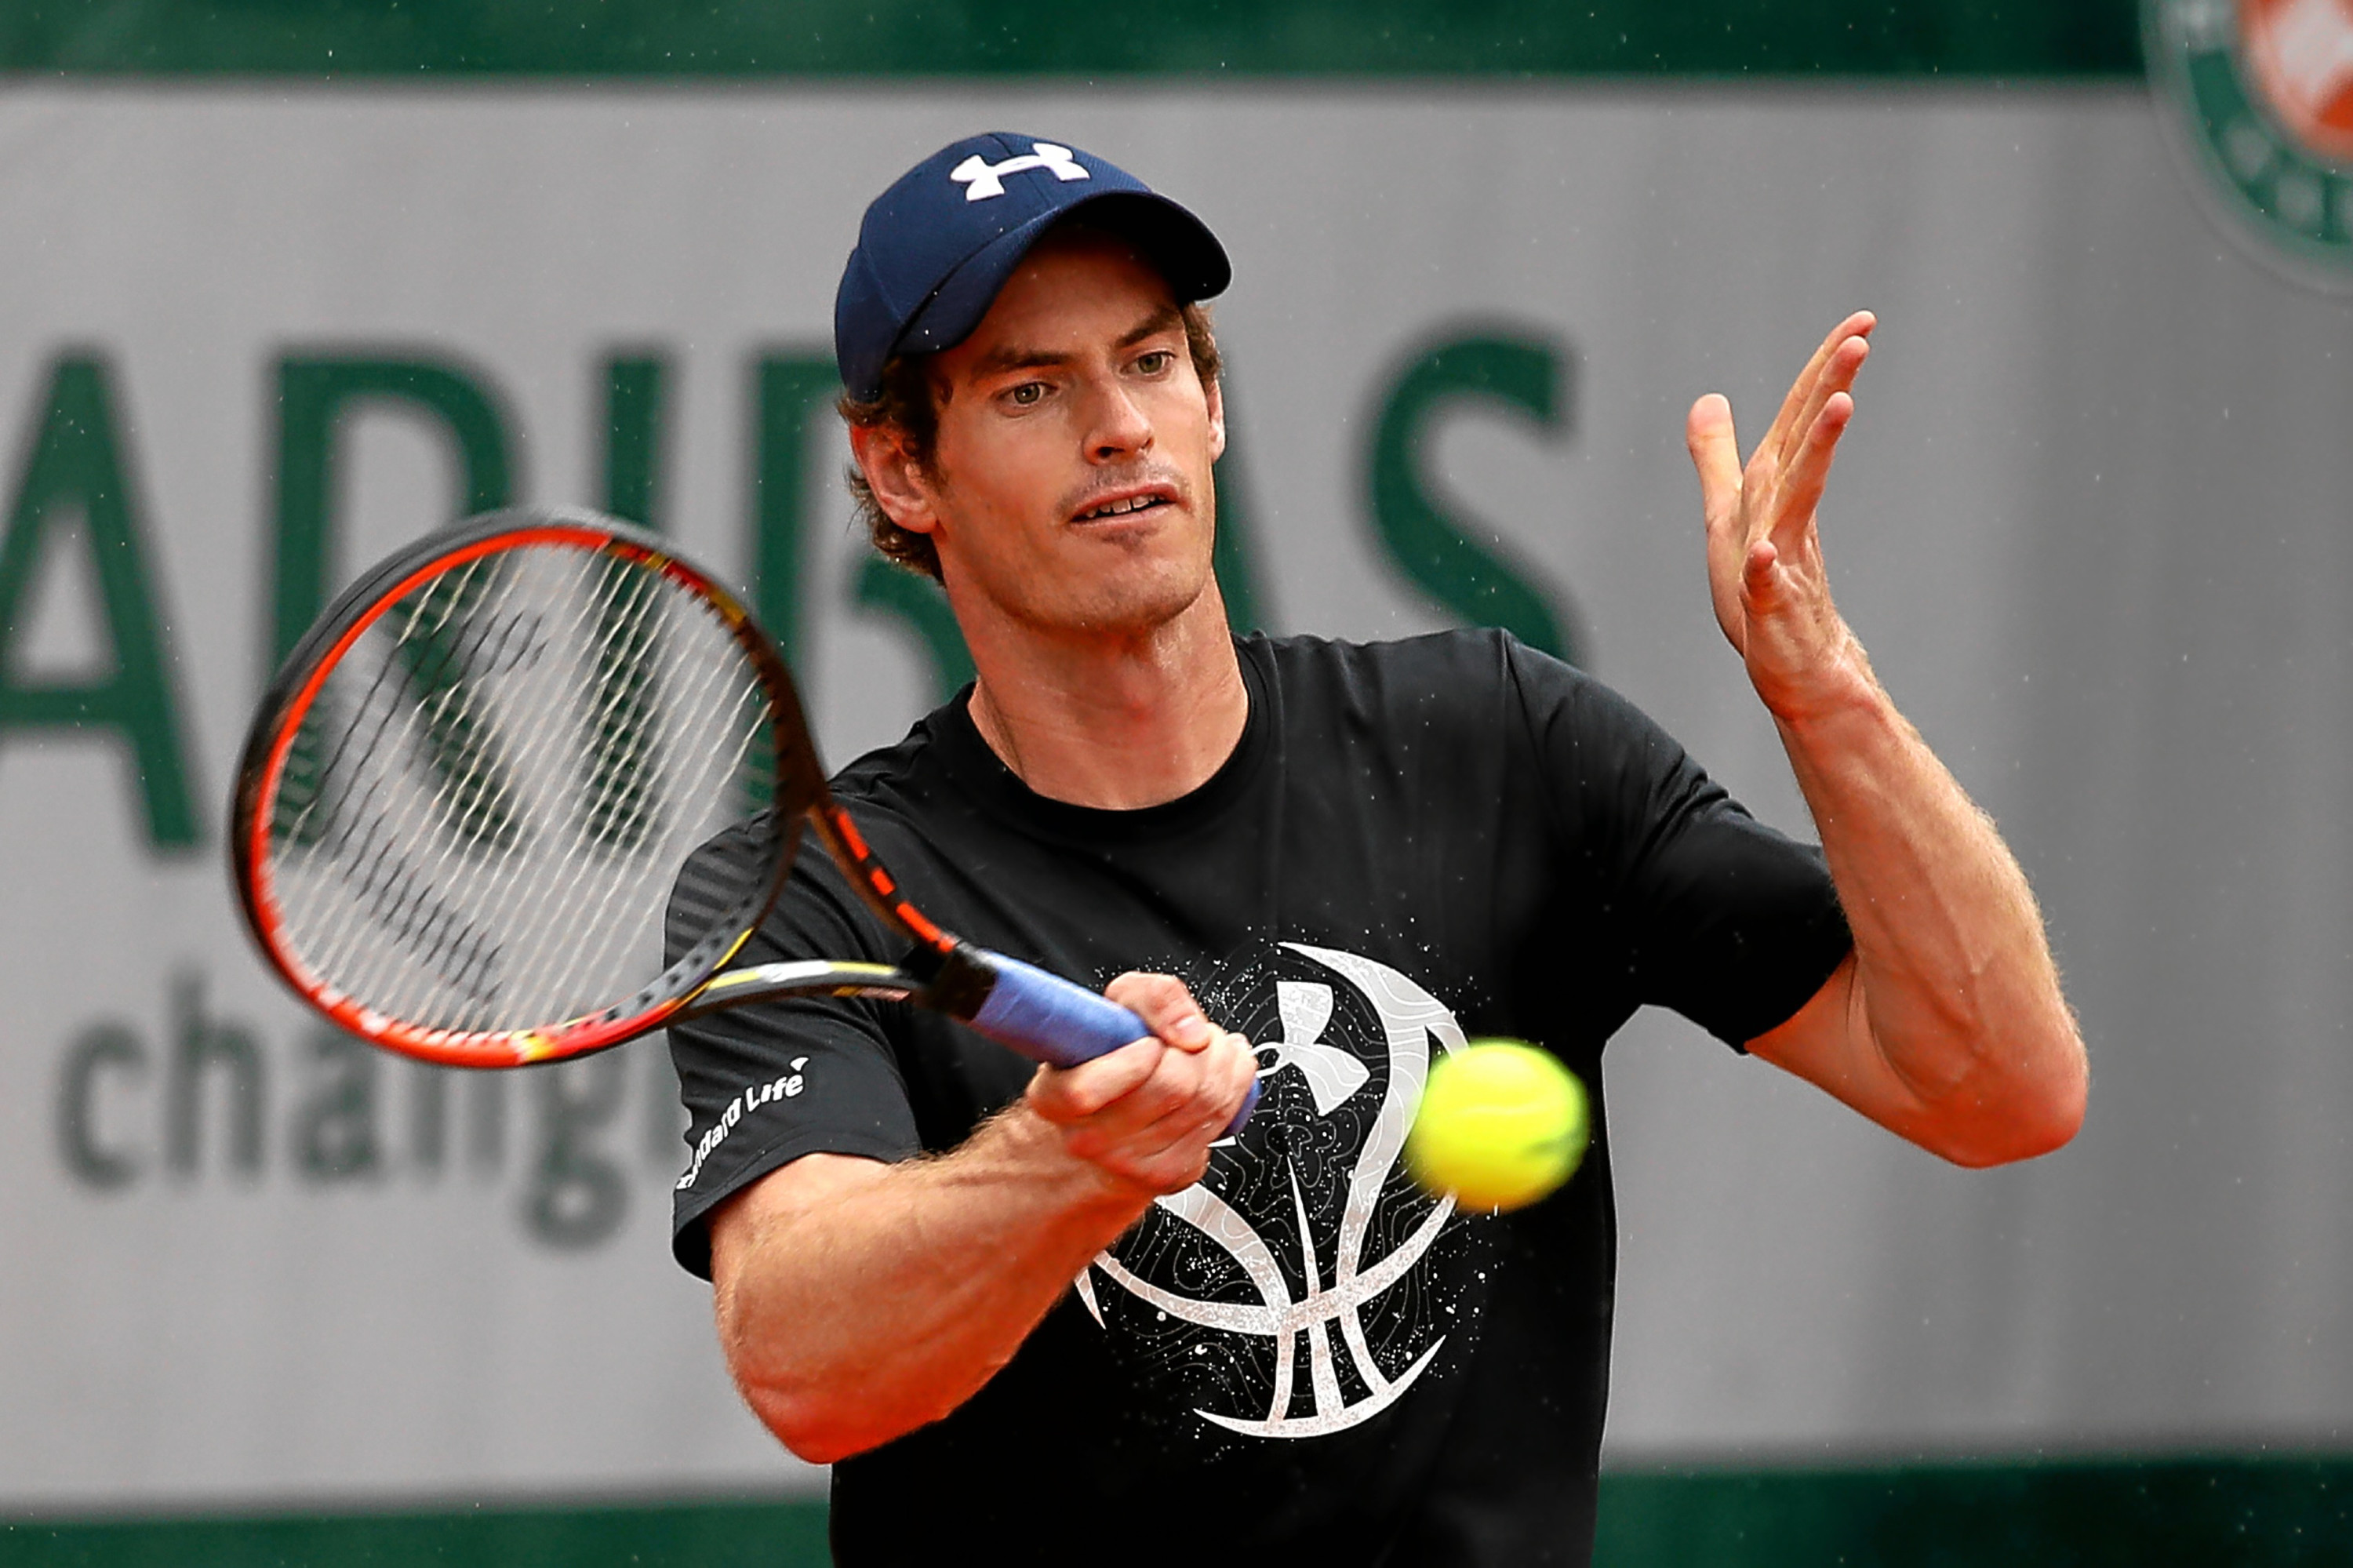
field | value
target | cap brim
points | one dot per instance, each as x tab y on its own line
1178	245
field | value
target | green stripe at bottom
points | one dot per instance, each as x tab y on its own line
2247	1513
703	1535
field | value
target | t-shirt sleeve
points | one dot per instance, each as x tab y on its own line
767	1083
1712	914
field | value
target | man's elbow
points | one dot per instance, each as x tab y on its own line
825	1412
2035	1112
2014	1139
817	1430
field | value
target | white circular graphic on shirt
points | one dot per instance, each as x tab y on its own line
1297	1291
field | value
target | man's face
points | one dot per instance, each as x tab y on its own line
1071	485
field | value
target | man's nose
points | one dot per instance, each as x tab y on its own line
1118	426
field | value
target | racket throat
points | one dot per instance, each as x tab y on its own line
956	983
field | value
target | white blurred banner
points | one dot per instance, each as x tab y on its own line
2092	521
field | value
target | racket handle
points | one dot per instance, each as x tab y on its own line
1047	1019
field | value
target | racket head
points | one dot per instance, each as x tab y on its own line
463	807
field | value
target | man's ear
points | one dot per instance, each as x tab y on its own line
1217	396
900	487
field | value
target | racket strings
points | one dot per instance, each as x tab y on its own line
499	806
348	817
627	621
628	618
468	797
366	816
623	719
478	822
538	937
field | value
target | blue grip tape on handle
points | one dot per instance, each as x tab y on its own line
1047	1019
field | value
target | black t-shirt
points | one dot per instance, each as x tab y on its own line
1304	1357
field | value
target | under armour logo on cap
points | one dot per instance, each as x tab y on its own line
937	245
982	179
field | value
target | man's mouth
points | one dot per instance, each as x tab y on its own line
1128	507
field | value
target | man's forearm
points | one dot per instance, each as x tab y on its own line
1947	1026
861	1301
1956	997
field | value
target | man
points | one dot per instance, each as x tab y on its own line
1275	1348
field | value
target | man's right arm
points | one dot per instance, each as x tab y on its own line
858	1301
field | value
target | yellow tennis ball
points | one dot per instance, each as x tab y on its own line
1501	1124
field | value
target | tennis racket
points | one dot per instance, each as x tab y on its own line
464	807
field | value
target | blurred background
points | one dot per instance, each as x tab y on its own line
286	283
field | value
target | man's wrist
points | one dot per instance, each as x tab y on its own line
1834	694
1086	1189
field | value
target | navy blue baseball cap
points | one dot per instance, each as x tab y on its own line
937	246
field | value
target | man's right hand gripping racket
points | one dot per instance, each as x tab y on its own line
468	796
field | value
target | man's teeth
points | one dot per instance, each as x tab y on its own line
1121	508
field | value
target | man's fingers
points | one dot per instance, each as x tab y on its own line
1757	567
1810	472
1137	1085
1155	1131
1793	402
1140	1138
1064	1094
1715	454
1148	1111
1232	1069
1792	414
1838	374
1180	1136
1166	1008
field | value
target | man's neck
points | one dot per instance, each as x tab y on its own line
1115	723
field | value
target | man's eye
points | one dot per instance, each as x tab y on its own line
1028	394
1154	363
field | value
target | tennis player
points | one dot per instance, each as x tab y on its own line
1060	1310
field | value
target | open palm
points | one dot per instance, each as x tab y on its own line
1763	549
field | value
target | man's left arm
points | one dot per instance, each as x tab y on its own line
1946	1024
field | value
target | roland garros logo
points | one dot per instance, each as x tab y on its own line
2262	92
1321	1273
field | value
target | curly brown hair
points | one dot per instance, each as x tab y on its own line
909	402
